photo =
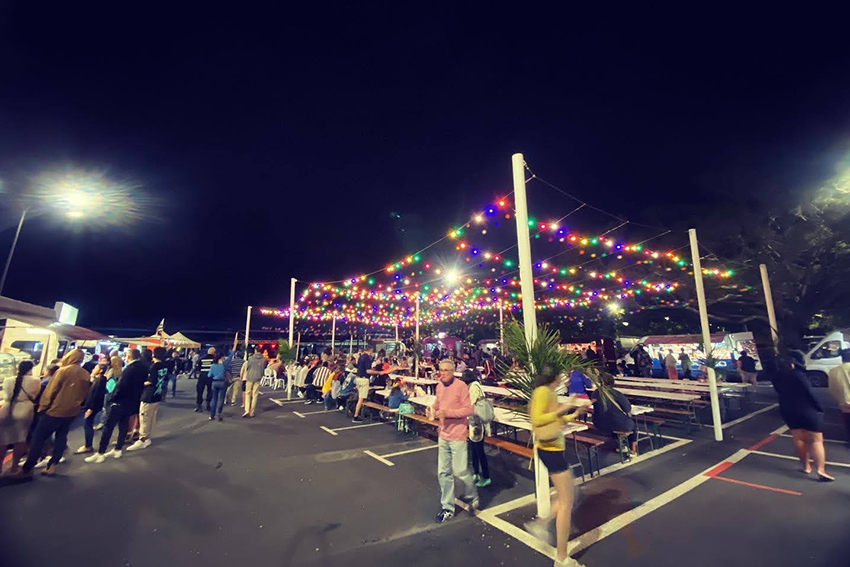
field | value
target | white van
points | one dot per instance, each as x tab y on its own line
825	355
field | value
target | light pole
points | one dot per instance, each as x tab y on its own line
12	250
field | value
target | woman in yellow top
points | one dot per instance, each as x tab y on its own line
544	410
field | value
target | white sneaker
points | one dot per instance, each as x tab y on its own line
114	453
42	463
139	445
96	458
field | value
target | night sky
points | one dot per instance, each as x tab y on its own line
270	142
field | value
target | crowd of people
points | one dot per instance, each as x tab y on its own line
120	390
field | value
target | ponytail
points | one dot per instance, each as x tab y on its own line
24	368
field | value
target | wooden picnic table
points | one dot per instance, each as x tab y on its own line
668	396
665	381
671	385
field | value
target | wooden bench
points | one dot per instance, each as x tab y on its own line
591	444
655	423
510	446
690	415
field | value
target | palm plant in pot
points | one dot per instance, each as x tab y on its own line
543	351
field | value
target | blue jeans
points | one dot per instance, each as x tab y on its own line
452	461
217	402
173	379
329	401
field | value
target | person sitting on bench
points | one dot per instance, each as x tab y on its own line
614	414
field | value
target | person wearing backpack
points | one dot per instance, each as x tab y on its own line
17	410
479	426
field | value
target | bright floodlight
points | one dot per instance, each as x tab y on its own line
77	193
613	308
452	276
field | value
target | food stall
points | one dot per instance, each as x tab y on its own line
40	334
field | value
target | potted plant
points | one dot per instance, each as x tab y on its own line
544	351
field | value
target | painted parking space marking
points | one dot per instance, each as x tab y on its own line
792	458
416	450
825	440
379	458
749	416
282	402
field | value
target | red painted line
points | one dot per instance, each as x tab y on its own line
762	443
719	469
763	487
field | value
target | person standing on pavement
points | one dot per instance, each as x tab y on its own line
125	399
60	403
452	408
364	363
839	387
235	385
18	399
643	361
670	364
802	413
546	413
92	407
218	373
204	380
685	361
196	364
747	367
252	374
152	394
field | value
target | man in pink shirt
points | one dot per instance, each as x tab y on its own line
452	408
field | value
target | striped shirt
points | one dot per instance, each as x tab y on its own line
320	375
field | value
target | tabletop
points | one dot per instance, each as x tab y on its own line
673	396
664	381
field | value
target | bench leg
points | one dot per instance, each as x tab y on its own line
575	448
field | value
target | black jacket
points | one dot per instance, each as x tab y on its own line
129	387
795	393
94	400
610	418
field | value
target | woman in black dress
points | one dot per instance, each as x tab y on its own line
802	413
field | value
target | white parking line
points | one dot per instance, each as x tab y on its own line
282	402
299	414
357	426
778	456
380	458
825	440
749	416
410	451
331	431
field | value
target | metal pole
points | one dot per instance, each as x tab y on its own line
706	334
333	335
396	333
529	317
417	353
12	250
291	309
771	314
247	330
351	345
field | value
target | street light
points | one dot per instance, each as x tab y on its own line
76	193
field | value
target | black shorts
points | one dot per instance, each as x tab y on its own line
555	461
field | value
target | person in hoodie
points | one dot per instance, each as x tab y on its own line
452	408
92	406
252	374
59	405
126	398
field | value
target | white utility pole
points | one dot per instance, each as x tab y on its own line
291	309
247	330
529	316
333	335
351	345
706	335
771	314
417	354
